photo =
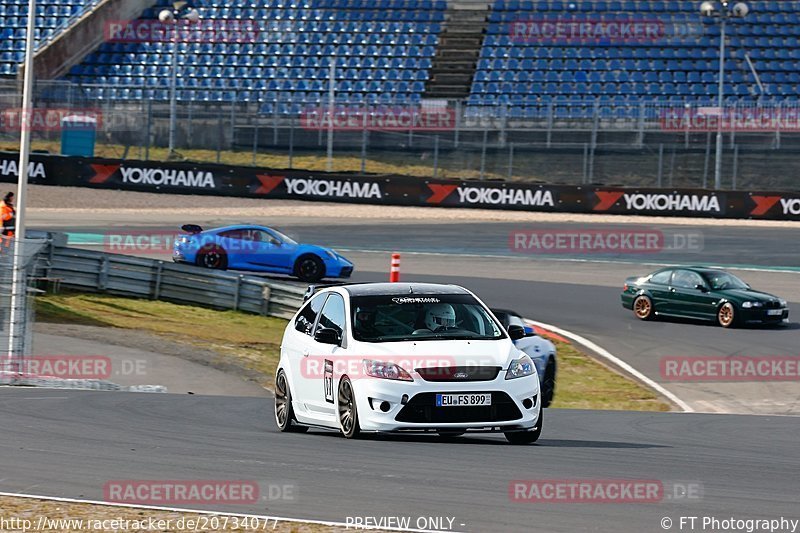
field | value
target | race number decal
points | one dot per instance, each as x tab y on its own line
327	381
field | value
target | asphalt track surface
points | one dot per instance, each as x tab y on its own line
70	443
580	292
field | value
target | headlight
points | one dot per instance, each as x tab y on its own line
331	254
384	370
519	368
183	240
782	302
748	305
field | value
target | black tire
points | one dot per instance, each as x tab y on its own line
347	409
549	383
727	317
212	256
527	437
309	268
284	414
643	307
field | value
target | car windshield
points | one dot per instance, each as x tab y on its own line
421	317
722	280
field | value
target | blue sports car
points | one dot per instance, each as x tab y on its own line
259	249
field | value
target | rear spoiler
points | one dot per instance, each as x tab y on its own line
191	228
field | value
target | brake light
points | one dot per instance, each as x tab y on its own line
625	287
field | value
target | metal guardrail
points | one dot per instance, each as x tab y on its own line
160	280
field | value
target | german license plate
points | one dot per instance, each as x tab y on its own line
463	400
774	312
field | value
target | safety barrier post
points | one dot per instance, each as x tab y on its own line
394	271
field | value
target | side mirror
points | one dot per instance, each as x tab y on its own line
516	332
530	332
327	336
701	288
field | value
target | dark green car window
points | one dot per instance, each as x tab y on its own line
661	278
687	279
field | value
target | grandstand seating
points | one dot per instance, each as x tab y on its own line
13	21
527	71
382	49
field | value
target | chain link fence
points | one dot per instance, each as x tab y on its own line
16	303
563	141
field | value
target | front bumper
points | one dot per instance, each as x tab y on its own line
403	406
761	316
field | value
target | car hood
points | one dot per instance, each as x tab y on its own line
427	354
743	295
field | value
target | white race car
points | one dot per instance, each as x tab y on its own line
404	357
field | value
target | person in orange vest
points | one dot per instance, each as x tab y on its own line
9	215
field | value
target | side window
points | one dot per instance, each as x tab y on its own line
662	278
687	279
333	315
304	322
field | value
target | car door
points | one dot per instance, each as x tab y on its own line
689	300
280	253
659	289
333	316
268	252
297	347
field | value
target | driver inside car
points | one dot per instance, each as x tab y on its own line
440	316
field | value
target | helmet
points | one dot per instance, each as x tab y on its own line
365	317
440	315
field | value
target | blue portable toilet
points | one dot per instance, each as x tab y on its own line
78	135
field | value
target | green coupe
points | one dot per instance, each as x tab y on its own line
701	293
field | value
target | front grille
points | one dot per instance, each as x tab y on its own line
459	373
772	304
421	409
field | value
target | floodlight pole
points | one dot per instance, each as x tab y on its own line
16	333
720	98
331	103
173	88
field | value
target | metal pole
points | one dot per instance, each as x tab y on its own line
483	152
331	102
291	142
173	90
364	150
255	140
149	130
721	96
510	160
660	163
16	330
435	156
707	159
735	166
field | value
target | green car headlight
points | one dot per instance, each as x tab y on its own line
783	303
748	305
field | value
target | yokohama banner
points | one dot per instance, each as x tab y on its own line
253	182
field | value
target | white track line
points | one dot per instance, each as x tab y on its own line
204	512
616	361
